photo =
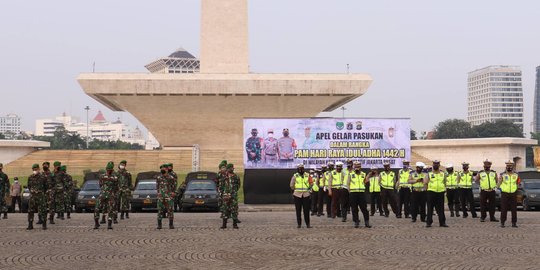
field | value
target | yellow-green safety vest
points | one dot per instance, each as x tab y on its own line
327	176
465	179
418	186
488	180
387	180
404	178
315	187
374	184
436	182
337	179
509	182
357	182
451	180
301	183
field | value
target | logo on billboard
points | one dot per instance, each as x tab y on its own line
358	125
340	125
349	126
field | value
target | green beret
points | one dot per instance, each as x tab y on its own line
110	165
57	163
169	165
63	168
230	166
123	162
35	166
46	163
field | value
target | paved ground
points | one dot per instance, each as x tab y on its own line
270	241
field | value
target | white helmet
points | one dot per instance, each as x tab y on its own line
420	164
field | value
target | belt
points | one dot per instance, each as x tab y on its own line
419	189
270	154
468	187
405	187
488	190
451	187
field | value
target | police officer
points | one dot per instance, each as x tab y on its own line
418	193
327	189
488	182
336	182
387	180
301	186
465	179
356	184
508	183
436	185
452	191
314	192
322	190
404	189
374	191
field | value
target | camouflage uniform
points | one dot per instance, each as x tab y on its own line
49	195
166	186
59	205
38	186
109	187
4	191
68	193
125	185
228	188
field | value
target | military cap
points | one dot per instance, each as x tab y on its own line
63	168
420	164
301	165
161	166
230	166
123	162
436	162
487	161
110	165
35	166
57	164
450	165
46	163
169	164
509	162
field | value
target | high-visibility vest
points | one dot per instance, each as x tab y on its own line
488	180
436	182
327	176
357	182
322	180
315	187
337	179
387	180
465	179
418	186
404	178
451	180
509	182
374	184
301	183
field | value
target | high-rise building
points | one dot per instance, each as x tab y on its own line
495	92
10	124
180	61
536	121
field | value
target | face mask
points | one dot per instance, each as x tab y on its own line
231	170
163	171
508	169
450	171
301	171
418	170
357	171
435	167
270	135
45	168
122	167
465	168
35	172
285	134
405	167
487	168
386	168
339	169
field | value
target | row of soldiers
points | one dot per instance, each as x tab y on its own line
418	192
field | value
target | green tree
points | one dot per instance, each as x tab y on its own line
499	128
454	129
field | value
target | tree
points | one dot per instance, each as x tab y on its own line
454	129
499	128
413	135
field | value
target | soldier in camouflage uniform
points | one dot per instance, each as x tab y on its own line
221	177
37	185
47	174
175	176
68	190
166	187
254	148
109	186
59	192
4	191
228	192
126	185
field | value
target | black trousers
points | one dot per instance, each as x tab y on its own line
302	204
358	200
466	198
376	201
452	196
435	200
338	199
314	202
328	200
346	198
487	204
404	201
388	196
320	200
16	200
418	204
508	201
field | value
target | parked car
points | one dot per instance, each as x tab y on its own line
530	194
87	196
145	193
200	191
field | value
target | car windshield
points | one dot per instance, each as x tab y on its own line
91	185
532	185
146	186
201	185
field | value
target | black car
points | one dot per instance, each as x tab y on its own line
200	191
145	193
88	195
530	193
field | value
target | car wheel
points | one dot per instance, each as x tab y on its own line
526	205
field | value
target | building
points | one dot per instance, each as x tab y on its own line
180	61
207	108
536	121
47	127
495	92
10	124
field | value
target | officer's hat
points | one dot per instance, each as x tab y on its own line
465	164
324	166
339	164
356	163
301	165
349	161
406	161
509	162
330	163
373	167
450	165
487	161
436	162
420	164
386	163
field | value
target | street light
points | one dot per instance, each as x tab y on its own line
87	108
343	113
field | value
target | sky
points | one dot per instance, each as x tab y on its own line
418	52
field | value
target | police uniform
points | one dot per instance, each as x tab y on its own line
336	183
387	180
314	192
327	189
356	184
436	186
418	193
301	186
404	190
374	191
466	197
322	197
488	184
452	191
508	183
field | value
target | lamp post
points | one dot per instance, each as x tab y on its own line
343	109
87	109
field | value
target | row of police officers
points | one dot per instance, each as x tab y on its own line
410	192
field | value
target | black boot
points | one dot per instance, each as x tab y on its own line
115	220
451	213
40	221
30	225
103	220
109	224
57	215
5	215
367	224
68	215
238	221
171	224
96	223
502	225
234	224
51	219
127	214
159	224
44	225
122	215
357	224
514	225
62	216
224	226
